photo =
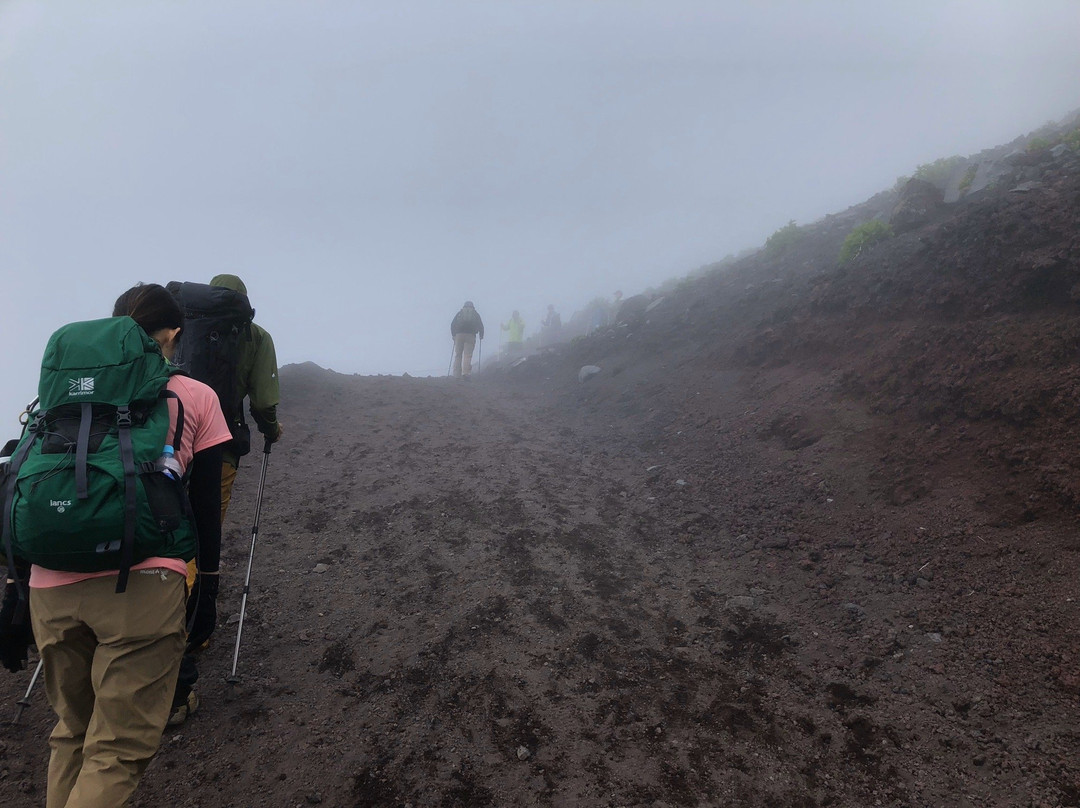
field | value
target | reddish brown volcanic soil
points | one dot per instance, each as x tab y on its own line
808	539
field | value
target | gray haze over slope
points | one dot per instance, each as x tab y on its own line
366	167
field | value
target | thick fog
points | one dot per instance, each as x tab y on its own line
366	166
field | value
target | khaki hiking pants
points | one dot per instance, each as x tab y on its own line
463	349
228	477
111	662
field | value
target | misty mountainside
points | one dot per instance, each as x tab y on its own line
959	330
807	538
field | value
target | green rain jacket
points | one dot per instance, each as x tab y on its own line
257	374
516	329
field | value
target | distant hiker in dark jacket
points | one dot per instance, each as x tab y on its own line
550	327
257	376
463	329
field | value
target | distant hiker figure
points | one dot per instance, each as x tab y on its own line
613	308
550	327
464	329
596	315
515	337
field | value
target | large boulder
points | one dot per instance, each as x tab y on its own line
919	202
632	311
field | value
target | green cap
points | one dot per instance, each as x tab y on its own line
229	282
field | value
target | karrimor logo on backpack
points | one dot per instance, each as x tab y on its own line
81	387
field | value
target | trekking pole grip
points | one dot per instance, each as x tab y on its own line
266	445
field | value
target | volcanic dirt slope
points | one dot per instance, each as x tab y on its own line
807	539
513	611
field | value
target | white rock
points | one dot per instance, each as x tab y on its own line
320	568
587	372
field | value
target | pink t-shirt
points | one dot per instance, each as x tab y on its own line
204	426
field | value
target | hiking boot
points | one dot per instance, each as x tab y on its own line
181	713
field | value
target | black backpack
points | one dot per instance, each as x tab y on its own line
467	321
217	323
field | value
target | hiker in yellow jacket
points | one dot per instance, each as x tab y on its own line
515	337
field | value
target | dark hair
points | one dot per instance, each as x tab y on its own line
151	305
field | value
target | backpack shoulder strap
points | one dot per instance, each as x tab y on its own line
82	447
178	433
31	434
127	456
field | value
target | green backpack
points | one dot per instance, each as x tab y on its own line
83	491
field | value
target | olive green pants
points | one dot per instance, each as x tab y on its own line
111	662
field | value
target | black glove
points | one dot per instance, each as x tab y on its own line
15	638
273	432
202	611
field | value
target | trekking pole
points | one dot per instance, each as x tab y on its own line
24	702
480	355
451	365
232	678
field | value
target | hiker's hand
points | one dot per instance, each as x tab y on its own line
15	640
203	605
273	432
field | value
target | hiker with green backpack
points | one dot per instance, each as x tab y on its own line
113	488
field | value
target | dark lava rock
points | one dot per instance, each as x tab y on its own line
919	203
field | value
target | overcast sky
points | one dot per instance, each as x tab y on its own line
367	166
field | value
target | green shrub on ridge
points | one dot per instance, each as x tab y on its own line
783	239
938	172
862	237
